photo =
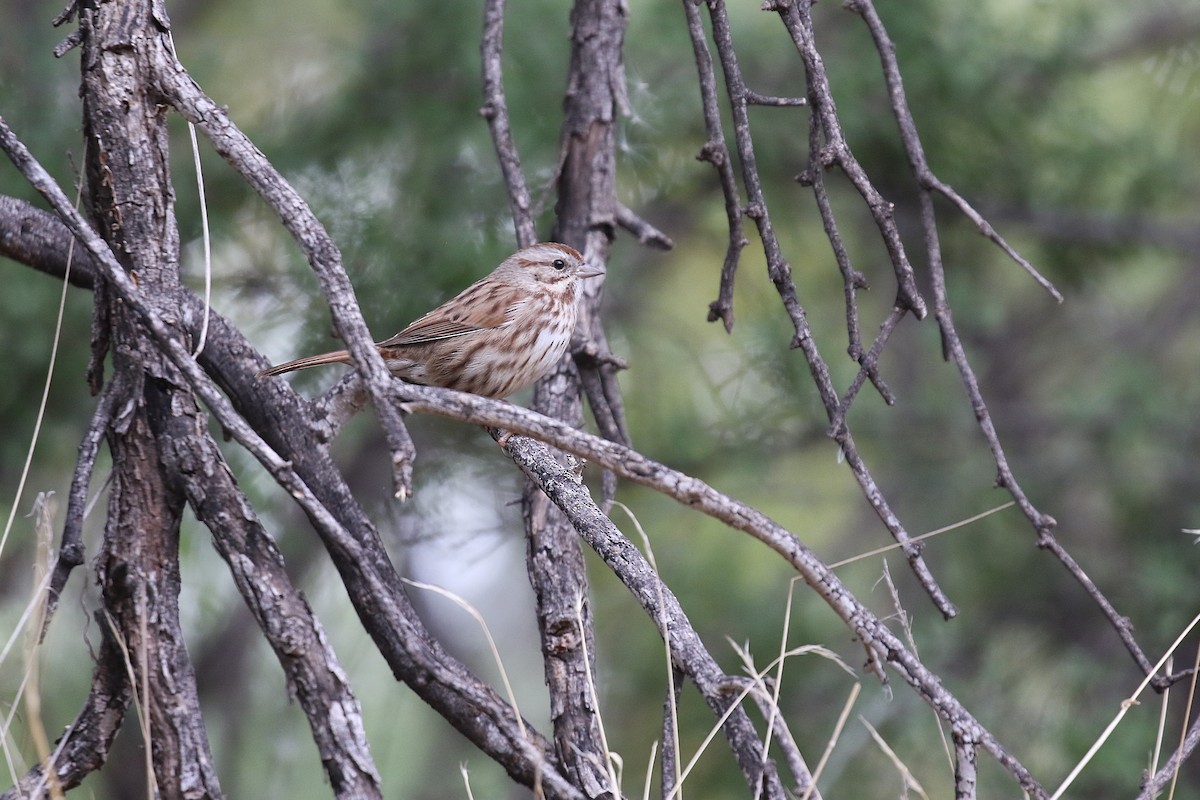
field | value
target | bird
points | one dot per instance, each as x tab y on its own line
499	335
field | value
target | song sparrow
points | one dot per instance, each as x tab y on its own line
499	335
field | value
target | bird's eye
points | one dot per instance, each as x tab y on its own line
559	264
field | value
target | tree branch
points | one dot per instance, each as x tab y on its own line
378	596
912	142
322	254
495	111
314	676
780	272
716	152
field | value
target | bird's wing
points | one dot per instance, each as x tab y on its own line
455	318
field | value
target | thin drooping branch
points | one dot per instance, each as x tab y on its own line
495	111
778	268
318	247
716	152
797	19
780	273
852	279
926	179
1042	523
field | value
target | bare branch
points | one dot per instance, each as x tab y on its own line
314	676
495	111
798	21
912	142
852	279
249	162
883	646
33	237
688	653
716	152
646	233
70	551
869	368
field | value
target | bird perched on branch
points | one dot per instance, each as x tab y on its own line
501	334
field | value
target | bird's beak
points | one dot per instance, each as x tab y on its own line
589	270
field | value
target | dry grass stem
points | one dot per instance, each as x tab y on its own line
1126	704
610	758
1187	715
938	532
910	781
462	603
1164	705
44	509
41	413
662	622
466	776
833	739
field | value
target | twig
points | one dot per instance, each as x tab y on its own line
646	233
869	368
798	21
495	111
70	551
716	152
852	279
249	162
912	141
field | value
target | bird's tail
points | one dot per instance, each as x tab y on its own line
337	357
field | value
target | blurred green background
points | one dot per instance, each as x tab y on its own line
1072	124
